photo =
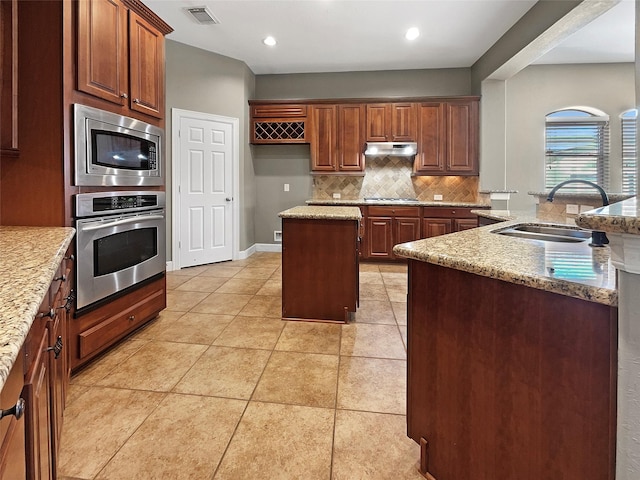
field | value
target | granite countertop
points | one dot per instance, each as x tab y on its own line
417	203
323	213
572	269
622	217
30	259
567	195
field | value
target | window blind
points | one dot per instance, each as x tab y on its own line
577	148
629	155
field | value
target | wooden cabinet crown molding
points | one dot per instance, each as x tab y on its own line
148	14
320	101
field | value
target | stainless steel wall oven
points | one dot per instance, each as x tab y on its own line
120	241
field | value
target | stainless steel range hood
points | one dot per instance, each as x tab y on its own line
396	149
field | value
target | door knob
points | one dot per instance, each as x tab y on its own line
228	199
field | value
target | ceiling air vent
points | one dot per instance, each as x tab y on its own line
203	16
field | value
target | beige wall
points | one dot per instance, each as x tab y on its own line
541	89
202	81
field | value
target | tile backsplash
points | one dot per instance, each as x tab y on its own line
391	177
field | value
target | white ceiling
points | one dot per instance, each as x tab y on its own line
368	35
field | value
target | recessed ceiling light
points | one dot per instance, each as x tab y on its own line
412	33
269	41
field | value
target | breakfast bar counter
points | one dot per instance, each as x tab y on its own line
511	354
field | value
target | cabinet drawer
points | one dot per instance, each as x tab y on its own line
394	211
448	212
279	111
114	327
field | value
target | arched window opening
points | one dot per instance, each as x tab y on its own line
576	147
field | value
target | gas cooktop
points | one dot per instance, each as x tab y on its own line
390	199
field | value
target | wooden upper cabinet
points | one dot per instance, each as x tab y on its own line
336	137
378	122
120	56
431	138
350	136
448	138
9	78
391	122
146	64
322	137
462	137
102	50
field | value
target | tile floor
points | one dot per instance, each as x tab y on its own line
219	387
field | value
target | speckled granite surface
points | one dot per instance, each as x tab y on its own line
622	217
323	213
30	258
575	269
564	195
395	202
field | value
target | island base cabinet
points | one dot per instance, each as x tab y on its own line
319	269
508	382
12	433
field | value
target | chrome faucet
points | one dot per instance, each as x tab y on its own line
598	239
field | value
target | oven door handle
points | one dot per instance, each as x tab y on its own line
124	221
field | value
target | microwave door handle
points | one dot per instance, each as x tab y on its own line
124	221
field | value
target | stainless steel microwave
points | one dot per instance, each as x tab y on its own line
114	150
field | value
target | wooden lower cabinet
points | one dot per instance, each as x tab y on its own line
442	220
432	227
95	331
39	413
508	382
387	226
12	432
320	269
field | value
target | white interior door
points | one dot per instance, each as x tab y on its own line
205	189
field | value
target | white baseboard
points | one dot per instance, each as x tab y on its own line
169	266
268	247
242	254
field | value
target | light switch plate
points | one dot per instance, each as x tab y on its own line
437	197
336	196
286	187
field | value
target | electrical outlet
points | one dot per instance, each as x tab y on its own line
337	196
277	236
286	187
586	208
437	197
572	209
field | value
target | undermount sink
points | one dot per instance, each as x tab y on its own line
546	233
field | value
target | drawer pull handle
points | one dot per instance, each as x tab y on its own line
17	410
62	278
71	258
57	348
132	318
124	95
136	101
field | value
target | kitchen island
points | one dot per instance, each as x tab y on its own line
511	356
320	269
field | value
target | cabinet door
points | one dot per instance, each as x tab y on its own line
462	138
378	122
460	224
432	227
379	237
323	138
36	394
58	371
431	139
12	441
350	138
146	64
406	230
102	49
403	122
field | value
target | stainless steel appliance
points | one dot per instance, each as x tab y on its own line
114	150
120	241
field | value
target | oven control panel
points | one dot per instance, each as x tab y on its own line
89	204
